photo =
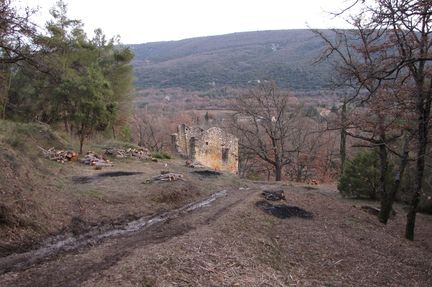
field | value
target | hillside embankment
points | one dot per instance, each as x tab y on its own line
118	228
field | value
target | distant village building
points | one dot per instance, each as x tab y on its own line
213	147
324	112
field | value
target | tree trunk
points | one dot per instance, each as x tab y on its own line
278	170
420	163
382	188
423	109
66	126
343	135
113	132
2	104
81	144
81	138
7	85
386	208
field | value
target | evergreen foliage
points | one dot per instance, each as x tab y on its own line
361	176
84	83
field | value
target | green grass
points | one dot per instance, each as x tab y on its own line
161	155
27	136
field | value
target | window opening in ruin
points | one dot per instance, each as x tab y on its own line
225	152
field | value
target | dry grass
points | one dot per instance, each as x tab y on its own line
174	194
231	243
341	246
42	199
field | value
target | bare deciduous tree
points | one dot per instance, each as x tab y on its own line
391	44
267	126
150	132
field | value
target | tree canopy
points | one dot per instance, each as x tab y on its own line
387	61
84	83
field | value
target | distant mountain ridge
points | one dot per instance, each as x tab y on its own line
236	60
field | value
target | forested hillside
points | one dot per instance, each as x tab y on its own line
286	56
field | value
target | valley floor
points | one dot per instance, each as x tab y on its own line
227	242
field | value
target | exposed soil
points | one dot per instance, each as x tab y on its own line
116	231
88	179
118	173
229	242
82	237
54	206
283	210
207	172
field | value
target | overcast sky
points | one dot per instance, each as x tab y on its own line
141	21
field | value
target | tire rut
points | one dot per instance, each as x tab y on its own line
75	266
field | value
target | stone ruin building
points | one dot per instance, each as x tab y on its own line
213	147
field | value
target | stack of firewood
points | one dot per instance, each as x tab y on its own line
95	160
61	156
166	177
193	164
141	153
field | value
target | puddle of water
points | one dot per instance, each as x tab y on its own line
69	242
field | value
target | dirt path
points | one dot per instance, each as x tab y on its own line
227	240
73	260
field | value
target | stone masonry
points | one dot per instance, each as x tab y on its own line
214	147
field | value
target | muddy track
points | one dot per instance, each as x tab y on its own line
71	261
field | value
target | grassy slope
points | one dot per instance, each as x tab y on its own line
26	185
236	245
286	56
40	198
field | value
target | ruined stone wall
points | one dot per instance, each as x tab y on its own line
213	147
182	138
218	150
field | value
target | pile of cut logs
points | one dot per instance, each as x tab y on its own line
141	153
95	160
59	155
193	164
92	158
63	156
170	176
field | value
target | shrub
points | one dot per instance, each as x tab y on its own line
361	176
405	194
126	134
161	155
